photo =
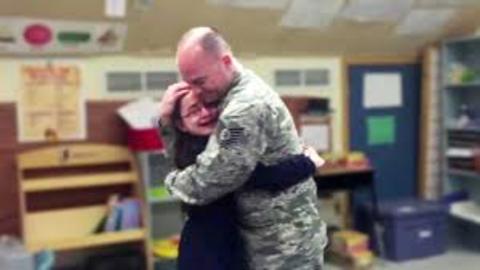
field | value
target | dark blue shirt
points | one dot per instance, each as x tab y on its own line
210	239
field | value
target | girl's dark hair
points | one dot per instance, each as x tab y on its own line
186	146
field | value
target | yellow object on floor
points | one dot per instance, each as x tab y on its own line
350	250
362	259
166	248
349	242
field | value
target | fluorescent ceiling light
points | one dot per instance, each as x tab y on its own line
311	13
376	10
447	3
269	4
424	21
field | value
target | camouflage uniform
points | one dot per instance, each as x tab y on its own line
282	231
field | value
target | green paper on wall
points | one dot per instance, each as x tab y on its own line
381	130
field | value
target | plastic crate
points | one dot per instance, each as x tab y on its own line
409	229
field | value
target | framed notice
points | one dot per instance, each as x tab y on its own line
50	103
316	132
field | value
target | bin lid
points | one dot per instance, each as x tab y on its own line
410	208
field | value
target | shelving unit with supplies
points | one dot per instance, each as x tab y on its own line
164	213
460	160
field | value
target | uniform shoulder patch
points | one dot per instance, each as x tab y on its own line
231	135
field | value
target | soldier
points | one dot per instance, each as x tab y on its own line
281	230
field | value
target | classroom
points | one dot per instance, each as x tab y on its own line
239	134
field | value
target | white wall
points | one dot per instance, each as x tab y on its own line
94	86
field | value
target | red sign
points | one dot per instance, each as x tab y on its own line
37	34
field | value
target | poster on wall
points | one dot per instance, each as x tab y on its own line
40	36
50	103
381	130
382	90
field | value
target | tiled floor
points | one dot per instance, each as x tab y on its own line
452	260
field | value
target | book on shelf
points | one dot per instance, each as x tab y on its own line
121	215
129	214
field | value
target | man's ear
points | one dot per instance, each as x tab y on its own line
227	60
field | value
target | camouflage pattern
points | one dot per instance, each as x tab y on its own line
282	231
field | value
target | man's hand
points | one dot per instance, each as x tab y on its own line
311	153
169	99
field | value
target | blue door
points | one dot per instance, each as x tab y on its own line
389	134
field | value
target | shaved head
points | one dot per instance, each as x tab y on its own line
206	38
205	60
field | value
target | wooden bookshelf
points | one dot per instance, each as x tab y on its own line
72	182
89	241
76	168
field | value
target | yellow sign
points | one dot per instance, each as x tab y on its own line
50	103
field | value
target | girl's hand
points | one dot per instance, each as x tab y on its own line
311	153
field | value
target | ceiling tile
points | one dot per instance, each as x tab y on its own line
376	10
311	13
424	21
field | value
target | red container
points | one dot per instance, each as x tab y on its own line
476	159
144	140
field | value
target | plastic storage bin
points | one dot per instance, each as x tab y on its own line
410	229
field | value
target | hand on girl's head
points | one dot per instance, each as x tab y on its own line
197	119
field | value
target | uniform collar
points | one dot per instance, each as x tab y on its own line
234	87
